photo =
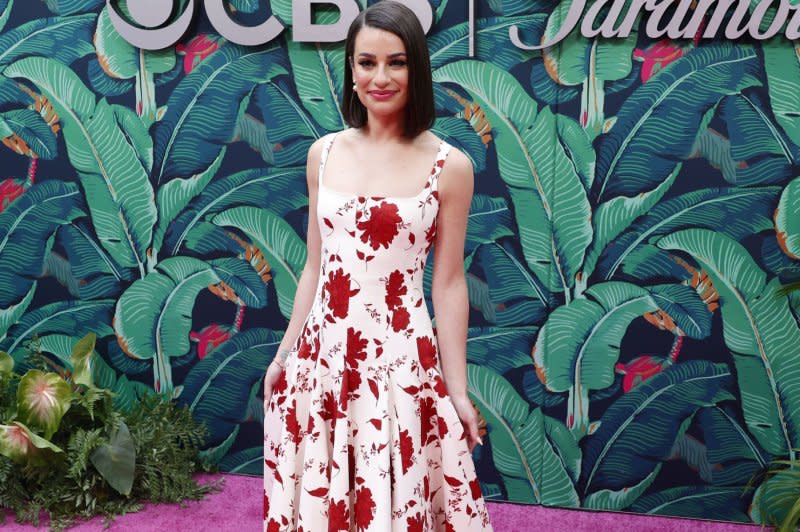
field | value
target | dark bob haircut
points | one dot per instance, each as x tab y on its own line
398	19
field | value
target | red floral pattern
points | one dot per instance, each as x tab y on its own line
367	356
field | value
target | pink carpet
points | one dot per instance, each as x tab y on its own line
238	509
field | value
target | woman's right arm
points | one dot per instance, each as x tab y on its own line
309	278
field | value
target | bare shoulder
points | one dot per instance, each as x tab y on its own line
457	177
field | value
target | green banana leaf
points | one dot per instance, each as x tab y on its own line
735	456
500	348
737	212
579	344
684	306
551	206
318	69
758	329
530	464
63	39
26	238
284	187
762	153
782	67
518	297
76	318
633	157
119	195
282	247
153	317
31	128
216	389
203	110
698	502
638	431
491	42
787	219
69	7
5	12
98	274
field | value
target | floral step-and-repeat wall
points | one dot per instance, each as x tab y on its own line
637	213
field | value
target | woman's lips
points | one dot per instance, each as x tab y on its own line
382	95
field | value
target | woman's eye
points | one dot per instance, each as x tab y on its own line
365	64
398	63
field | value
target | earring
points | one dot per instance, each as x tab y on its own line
354	86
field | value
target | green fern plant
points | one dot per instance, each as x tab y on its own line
76	456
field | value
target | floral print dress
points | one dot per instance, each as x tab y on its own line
360	433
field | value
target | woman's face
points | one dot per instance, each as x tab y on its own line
380	72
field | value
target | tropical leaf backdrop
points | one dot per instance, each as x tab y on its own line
637	212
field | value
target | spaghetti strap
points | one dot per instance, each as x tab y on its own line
326	148
441	156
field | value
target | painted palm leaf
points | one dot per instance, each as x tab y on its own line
782	66
98	274
579	344
217	387
734	455
699	502
26	235
318	70
69	7
736	212
29	126
491	41
285	189
633	157
5	12
76	318
762	153
290	127
500	348
63	39
684	306
281	246
246	283
614	216
551	206
121	60
787	219
118	192
203	110
153	317
175	195
489	220
639	430
758	328
522	450
518	297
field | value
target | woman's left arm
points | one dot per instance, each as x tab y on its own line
449	286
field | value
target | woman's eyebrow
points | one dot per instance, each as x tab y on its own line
367	54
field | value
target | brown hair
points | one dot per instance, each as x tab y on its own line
398	19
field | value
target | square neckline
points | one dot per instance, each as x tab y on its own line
323	166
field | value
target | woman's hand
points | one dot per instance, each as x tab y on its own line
466	412
273	374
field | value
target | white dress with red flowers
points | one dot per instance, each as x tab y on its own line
359	433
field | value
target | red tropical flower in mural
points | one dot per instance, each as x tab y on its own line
656	56
209	338
197	49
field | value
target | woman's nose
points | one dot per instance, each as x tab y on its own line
382	75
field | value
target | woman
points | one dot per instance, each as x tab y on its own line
368	425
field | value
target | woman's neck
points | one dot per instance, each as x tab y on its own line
381	129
